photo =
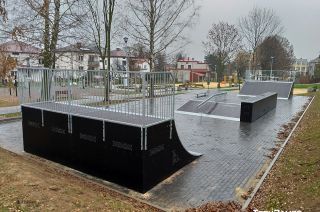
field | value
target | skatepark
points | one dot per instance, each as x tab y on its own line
178	150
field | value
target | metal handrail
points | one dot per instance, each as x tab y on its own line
208	99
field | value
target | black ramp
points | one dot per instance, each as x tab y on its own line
254	108
135	157
223	109
254	88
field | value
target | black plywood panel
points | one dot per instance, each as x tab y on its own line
283	89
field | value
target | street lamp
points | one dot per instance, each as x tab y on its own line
249	73
127	60
272	57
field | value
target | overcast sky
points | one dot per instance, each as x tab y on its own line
301	19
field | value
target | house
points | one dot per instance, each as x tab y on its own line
85	57
313	65
300	66
25	54
77	57
139	64
191	70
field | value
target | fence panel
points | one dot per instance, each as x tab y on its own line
147	94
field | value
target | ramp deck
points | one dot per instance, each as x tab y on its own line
96	113
254	88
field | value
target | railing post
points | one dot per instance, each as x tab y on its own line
144	92
69	90
173	94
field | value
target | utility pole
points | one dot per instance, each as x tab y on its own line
127	61
271	67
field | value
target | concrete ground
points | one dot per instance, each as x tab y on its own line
12	109
233	154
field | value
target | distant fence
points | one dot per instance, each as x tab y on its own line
139	93
274	75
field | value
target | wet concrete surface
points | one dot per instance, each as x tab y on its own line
233	152
13	109
11	136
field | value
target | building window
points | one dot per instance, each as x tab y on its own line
182	66
40	61
145	67
81	68
15	53
189	66
91	58
80	57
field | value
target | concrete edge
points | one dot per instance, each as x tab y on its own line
7	120
86	177
266	173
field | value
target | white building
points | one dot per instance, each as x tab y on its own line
301	66
25	54
77	57
82	57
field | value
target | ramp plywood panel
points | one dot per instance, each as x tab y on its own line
254	88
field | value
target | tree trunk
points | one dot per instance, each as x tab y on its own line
46	35
46	52
55	31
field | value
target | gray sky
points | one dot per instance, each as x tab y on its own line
301	19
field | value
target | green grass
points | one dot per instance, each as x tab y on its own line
3	209
10	115
306	85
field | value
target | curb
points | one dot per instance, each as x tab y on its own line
8	120
266	173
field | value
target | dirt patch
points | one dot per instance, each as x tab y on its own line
32	185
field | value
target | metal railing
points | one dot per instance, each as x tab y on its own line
271	75
211	97
131	93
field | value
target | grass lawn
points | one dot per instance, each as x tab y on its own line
306	85
10	115
32	185
294	181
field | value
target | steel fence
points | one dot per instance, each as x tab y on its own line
271	75
147	94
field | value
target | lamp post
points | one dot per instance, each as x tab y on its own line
125	81
272	57
250	57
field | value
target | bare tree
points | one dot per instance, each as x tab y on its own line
223	41
259	24
241	63
43	22
3	11
99	21
46	23
158	24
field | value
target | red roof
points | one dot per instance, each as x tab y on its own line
188	59
194	70
19	47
